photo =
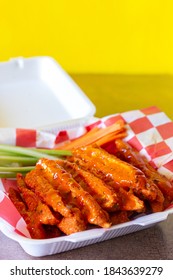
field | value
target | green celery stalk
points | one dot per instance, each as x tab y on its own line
15	159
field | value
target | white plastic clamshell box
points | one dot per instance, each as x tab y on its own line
39	248
38	93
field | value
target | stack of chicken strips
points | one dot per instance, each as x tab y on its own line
91	188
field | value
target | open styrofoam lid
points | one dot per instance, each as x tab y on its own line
37	92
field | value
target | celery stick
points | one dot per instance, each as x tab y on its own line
4	159
15	159
24	151
34	152
11	175
16	168
54	152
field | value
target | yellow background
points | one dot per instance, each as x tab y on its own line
93	36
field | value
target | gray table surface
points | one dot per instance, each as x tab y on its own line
154	243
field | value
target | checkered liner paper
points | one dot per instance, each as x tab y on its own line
149	130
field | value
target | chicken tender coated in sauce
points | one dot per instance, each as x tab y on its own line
40	222
107	167
104	194
74	223
67	186
159	183
35	204
109	198
113	170
36	181
46	192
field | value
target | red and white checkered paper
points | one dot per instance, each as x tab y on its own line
150	131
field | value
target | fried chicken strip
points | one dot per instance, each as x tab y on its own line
53	198
113	170
119	217
66	185
74	223
46	192
35	205
40	218
18	202
129	201
161	185
34	226
107	197
104	194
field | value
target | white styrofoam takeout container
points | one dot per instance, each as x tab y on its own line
38	93
39	248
